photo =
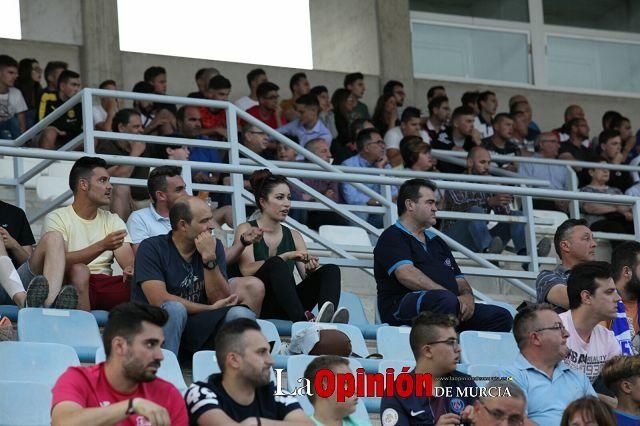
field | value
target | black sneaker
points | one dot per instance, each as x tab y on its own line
325	313
66	299
37	292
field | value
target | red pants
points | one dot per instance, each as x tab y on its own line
106	291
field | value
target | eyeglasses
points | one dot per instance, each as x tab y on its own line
380	142
451	342
556	326
272	98
256	133
513	420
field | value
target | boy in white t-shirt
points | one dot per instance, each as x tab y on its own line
12	105
593	298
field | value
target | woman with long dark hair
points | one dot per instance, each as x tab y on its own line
28	82
273	258
385	116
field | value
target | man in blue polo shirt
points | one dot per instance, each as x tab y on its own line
415	270
549	384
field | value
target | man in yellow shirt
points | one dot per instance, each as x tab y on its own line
93	237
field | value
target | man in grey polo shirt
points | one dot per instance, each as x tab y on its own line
574	244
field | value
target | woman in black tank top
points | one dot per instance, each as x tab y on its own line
273	258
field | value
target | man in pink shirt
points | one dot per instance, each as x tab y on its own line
124	390
593	298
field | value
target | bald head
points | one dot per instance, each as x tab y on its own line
573	111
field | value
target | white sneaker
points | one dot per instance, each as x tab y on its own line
325	314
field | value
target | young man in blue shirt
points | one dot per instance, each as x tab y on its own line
415	270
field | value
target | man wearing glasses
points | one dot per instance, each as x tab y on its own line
511	407
435	346
548	383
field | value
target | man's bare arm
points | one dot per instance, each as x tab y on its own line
414	279
558	296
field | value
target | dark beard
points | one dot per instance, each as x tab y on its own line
633	287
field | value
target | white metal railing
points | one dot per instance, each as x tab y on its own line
316	168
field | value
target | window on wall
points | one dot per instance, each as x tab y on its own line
510	10
611	15
246	31
578	44
10	26
462	52
593	64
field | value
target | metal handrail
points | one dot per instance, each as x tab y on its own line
315	169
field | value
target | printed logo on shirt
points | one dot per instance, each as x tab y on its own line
416	413
389	417
456	405
105	403
141	421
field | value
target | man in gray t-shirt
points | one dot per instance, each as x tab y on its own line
574	244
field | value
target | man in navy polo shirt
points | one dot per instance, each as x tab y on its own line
415	270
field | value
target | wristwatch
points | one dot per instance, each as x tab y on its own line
130	409
211	265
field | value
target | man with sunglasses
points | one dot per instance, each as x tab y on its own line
509	407
548	383
435	346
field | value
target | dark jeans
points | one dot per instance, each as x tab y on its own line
284	299
485	317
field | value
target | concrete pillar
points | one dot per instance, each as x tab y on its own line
394	41
100	53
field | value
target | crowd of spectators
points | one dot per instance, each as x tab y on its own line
210	294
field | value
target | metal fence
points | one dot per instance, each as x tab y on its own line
242	161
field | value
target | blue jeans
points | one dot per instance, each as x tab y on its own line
10	129
484	318
178	317
475	235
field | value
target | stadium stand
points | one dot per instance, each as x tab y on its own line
35	362
30	404
481	347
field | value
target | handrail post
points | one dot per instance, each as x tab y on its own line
186	176
574	205
87	122
635	209
390	214
18	169
237	179
530	233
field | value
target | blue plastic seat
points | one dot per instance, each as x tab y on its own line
357	316
271	333
35	362
393	342
77	329
169	368
204	365
483	370
9	311
101	317
296	365
486	347
283	326
396	365
508	306
24	403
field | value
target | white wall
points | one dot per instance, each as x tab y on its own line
56	21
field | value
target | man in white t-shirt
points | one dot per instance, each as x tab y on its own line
93	237
255	78
104	111
12	105
409	126
593	298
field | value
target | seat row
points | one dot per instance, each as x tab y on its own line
31	369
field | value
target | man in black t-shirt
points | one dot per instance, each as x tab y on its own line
67	127
243	391
415	270
23	266
184	272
